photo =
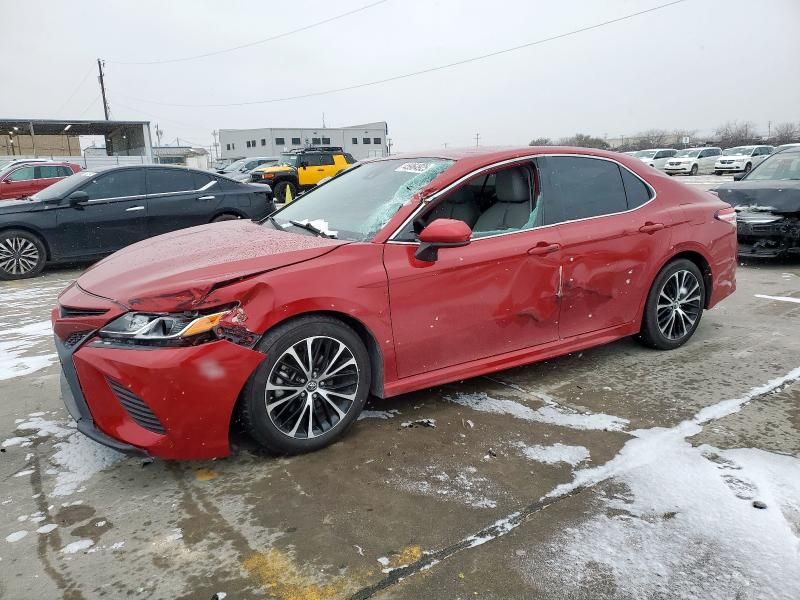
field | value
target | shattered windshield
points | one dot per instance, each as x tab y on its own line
359	203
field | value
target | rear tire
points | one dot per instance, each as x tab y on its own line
674	306
694	170
290	405
279	191
22	255
717	173
225	217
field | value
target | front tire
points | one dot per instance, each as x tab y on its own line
311	387
694	170
748	167
674	306
279	192
22	255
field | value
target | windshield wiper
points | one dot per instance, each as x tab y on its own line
274	223
309	227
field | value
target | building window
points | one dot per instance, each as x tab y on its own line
326	141
227	146
252	143
376	141
295	141
280	142
315	141
247	143
233	146
355	141
263	142
366	140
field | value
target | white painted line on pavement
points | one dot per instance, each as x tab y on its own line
781	298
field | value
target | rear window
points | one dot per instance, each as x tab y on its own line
165	181
636	190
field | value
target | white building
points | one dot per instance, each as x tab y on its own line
362	141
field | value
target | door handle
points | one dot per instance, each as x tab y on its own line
544	248
206	197
650	227
320	169
133	208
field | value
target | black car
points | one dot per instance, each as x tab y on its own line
767	202
94	213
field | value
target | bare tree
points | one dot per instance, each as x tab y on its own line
734	133
541	141
584	140
679	134
785	133
652	138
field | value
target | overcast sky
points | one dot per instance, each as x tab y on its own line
692	65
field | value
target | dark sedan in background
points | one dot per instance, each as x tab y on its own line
767	203
94	213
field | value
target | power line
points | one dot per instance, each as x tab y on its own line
75	91
415	73
250	44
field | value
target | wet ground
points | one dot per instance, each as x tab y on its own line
619	472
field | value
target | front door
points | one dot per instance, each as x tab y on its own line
611	235
114	216
19	182
496	295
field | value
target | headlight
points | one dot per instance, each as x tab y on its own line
175	329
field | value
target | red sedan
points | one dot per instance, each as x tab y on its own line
396	275
25	179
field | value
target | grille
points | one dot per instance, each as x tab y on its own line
136	408
68	312
76	338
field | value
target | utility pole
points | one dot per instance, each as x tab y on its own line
102	87
323	120
215	148
769	130
445	145
477	139
388	146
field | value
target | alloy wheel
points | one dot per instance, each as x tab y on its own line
679	305
311	387
18	255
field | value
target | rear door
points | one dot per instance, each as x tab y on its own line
47	175
176	200
611	235
114	216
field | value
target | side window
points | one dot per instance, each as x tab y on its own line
326	159
48	172
64	171
200	180
164	181
704	153
117	184
660	154
23	174
636	190
581	188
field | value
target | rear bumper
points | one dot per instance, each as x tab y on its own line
183	398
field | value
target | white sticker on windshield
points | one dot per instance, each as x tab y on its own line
87	173
414	167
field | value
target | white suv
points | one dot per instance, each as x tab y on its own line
693	161
655	157
741	158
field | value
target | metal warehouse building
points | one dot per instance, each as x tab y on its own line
362	141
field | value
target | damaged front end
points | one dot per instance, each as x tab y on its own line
765	233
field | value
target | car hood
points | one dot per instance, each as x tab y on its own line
777	196
11	207
176	271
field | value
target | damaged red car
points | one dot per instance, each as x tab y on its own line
397	274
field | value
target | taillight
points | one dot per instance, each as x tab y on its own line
726	214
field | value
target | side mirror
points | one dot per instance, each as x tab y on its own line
6	181
739	176
441	233
79	197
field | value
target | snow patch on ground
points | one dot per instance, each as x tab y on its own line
557	453
17	345
78	546
47	528
547	414
462	486
378	414
16	536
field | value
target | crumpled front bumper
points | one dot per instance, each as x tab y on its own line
777	237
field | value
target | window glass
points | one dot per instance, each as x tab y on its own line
635	189
163	181
366	140
295	141
703	154
23	174
253	143
326	159
355	141
199	180
376	141
583	187
315	141
49	172
227	146
117	184
64	171
326	141
278	141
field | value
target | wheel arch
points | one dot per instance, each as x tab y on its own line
33	231
701	262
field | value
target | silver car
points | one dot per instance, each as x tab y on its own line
655	157
693	161
240	170
741	159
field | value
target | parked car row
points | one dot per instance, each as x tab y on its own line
705	159
94	213
240	169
